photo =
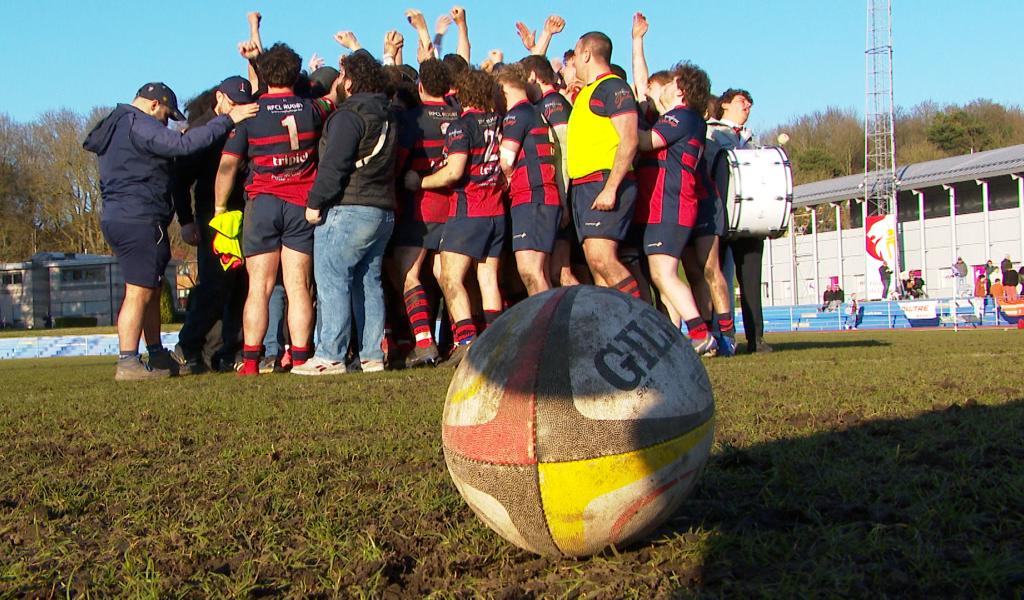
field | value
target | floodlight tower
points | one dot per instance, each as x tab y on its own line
879	139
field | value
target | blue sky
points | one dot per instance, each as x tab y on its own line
795	56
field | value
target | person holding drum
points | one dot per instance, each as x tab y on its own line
744	254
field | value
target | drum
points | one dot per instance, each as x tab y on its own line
757	189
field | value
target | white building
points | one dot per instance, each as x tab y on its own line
63	285
970	206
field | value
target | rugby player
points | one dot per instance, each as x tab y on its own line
281	146
528	160
475	230
542	90
422	213
668	174
602	145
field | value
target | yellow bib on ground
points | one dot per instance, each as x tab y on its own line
593	140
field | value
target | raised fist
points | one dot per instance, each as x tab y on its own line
416	19
441	24
254	19
348	40
459	15
554	24
639	25
248	49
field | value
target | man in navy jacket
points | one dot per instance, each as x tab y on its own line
136	153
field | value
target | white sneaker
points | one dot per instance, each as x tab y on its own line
372	366
320	366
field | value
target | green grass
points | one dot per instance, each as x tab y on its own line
19	333
856	464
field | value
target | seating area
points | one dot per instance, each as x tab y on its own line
881	315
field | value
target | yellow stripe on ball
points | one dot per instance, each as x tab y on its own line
568	488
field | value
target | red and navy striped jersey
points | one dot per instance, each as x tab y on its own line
668	179
478	193
281	145
556	108
421	138
533	173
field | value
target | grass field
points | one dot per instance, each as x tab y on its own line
865	464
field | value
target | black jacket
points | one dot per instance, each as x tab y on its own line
357	155
136	159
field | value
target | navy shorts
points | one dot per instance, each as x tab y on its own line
612	224
666	238
476	237
417	234
535	227
710	218
270	223
142	250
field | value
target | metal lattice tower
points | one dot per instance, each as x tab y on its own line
879	139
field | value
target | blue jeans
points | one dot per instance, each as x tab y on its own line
348	249
273	340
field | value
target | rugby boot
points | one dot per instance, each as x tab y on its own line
420	357
133	369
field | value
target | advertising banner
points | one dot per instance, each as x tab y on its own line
920	310
880	245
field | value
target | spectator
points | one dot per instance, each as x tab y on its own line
989	269
885	273
1006	266
853	313
1020	276
960	272
996	291
980	287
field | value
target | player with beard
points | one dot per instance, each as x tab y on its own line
281	146
475	230
541	80
422	213
529	163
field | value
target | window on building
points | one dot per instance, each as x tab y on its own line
856	214
906	206
1002	193
936	203
11	279
83	275
968	198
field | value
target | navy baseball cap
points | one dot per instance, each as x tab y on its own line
162	94
238	89
321	80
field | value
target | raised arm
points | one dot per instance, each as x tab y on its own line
348	40
254	29
529	38
441	26
154	137
459	16
393	44
640	72
419	23
552	25
249	51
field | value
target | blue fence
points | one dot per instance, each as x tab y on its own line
777	319
884	315
68	345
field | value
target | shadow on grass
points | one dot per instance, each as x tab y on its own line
931	506
831	344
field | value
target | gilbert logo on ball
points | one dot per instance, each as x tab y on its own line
581	418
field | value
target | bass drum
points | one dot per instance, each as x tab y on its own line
757	190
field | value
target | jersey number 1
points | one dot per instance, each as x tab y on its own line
293	131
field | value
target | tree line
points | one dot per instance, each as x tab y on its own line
50	196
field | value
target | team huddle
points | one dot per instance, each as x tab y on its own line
393	213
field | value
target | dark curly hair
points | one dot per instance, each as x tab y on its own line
279	65
694	83
435	77
477	89
366	74
199	109
540	66
400	89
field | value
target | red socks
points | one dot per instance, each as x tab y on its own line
300	354
251	359
629	287
465	331
698	330
418	309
